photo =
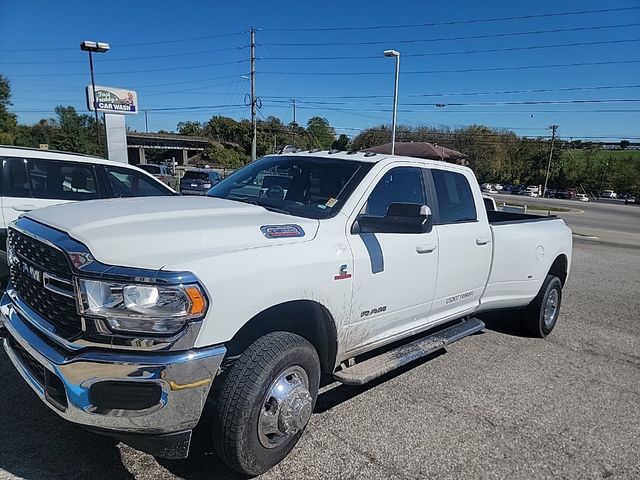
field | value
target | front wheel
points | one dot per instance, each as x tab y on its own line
542	313
265	402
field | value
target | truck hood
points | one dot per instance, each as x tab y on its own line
154	232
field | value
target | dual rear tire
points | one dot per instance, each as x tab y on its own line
541	315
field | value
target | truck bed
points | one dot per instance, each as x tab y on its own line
497	217
524	246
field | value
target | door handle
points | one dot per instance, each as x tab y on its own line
482	241
425	248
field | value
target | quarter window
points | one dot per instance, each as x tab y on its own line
128	183
455	199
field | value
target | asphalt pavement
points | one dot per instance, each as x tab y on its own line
496	405
606	215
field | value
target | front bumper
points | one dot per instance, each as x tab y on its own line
63	379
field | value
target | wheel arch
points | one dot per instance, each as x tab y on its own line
307	318
559	268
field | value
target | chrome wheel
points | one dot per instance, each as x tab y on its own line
286	408
551	309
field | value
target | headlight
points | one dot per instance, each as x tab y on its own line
138	308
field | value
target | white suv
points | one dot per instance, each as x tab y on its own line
33	178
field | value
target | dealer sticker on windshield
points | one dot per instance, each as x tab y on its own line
282	231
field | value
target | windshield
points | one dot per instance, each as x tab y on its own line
308	187
153	169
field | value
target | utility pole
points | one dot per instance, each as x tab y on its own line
553	139
254	125
146	122
293	101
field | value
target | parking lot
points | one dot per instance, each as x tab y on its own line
495	405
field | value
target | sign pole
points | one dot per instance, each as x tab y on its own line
95	101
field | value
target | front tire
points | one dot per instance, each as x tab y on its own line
265	402
541	316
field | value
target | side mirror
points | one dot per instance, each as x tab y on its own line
400	218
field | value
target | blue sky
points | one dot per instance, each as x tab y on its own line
194	54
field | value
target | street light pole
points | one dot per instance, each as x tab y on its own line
396	54
100	47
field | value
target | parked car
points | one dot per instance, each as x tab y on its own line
609	194
498	187
198	181
34	178
582	197
531	191
242	301
489	189
161	172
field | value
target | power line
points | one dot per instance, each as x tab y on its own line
446	39
470	111
453	22
482	104
460	70
495	92
146	57
467	52
126	45
189	67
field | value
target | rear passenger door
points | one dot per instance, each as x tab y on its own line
464	241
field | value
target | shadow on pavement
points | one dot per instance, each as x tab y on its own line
203	463
505	321
38	445
342	393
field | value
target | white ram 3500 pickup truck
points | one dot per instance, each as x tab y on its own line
130	316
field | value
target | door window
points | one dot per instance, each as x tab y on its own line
129	183
49	179
455	199
399	185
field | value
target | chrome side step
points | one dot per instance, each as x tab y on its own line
375	367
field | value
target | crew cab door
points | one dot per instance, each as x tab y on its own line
464	239
394	274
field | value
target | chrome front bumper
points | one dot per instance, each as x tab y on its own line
184	378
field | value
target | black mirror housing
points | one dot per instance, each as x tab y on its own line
400	218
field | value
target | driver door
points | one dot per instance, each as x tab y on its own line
394	273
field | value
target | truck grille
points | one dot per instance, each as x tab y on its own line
59	310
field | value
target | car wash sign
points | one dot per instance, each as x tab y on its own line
112	100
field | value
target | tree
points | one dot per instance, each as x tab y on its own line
322	134
225	158
8	120
342	143
75	132
624	144
371	137
194	129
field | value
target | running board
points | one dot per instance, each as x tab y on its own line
375	367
